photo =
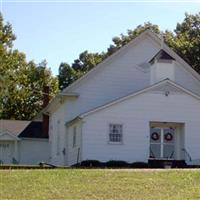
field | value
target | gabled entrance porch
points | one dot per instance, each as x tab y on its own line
8	148
166	143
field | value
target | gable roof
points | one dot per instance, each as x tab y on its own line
152	35
15	127
108	59
154	86
33	130
169	53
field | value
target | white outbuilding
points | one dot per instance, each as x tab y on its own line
21	142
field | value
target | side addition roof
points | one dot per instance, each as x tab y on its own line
14	127
33	130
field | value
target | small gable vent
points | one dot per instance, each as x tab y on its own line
161	56
162	67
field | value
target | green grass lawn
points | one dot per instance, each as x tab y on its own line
99	184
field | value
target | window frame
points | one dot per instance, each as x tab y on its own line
122	134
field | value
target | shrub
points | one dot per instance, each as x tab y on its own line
139	165
91	163
111	164
116	164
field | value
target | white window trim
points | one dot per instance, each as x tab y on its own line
108	134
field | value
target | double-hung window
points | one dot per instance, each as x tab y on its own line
115	133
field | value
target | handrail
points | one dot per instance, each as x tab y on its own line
14	161
187	154
42	164
172	154
78	154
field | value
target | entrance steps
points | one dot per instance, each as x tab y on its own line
156	163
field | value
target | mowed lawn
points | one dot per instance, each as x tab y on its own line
100	184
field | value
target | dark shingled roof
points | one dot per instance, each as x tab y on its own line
161	55
33	130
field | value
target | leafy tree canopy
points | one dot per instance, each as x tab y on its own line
67	75
21	82
186	40
120	41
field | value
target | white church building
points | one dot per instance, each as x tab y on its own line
140	104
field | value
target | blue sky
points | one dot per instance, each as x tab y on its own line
59	31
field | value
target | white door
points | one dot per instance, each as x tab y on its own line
162	143
5	152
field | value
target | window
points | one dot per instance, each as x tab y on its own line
74	136
115	133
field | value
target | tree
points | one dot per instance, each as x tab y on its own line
6	35
120	41
66	76
6	42
86	62
186	40
24	98
21	82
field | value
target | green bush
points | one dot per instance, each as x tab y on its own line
139	165
111	164
91	163
117	164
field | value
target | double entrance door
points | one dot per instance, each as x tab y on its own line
162	143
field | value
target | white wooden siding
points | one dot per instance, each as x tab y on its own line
57	155
33	151
135	115
7	153
73	153
161	71
186	79
117	79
